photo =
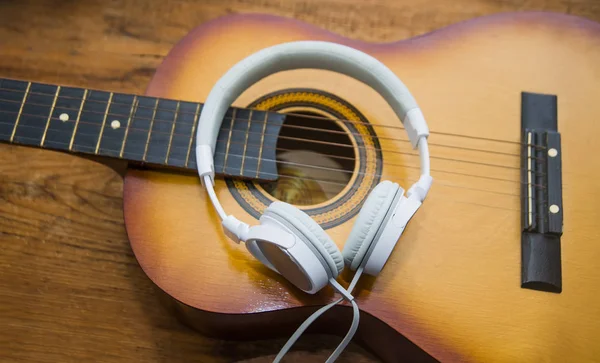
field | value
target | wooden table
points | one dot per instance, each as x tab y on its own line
70	287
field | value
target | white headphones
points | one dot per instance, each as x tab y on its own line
287	240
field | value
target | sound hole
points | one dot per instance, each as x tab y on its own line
315	160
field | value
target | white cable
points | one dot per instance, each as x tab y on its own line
302	328
353	328
354	281
311	319
355	319
340	289
213	197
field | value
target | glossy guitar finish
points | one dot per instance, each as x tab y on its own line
452	286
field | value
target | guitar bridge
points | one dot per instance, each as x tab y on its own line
541	194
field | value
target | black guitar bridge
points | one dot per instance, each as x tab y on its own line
541	194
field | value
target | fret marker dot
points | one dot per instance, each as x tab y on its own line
552	152
554	209
115	124
63	117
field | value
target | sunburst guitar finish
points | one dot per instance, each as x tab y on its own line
451	290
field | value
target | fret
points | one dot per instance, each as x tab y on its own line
139	129
254	135
50	116
63	118
116	125
110	97
230	132
150	129
192	138
129	120
160	132
222	140
262	142
90	123
78	118
273	124
236	142
246	143
12	136
172	132
181	133
165	110
36	108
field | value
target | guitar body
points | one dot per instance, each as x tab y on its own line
451	289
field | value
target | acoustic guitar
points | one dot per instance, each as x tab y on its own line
465	281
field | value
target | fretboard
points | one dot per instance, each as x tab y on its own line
143	130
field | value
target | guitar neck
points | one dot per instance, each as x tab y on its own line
142	130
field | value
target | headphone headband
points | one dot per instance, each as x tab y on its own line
302	55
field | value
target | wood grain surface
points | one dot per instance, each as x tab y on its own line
70	287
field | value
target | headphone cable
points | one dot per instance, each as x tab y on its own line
346	295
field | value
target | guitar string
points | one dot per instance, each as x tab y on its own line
308	140
344	185
323	130
389	164
405	179
341	170
266	146
300	140
437	196
292	163
367	124
387	138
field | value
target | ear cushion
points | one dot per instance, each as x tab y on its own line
369	219
312	231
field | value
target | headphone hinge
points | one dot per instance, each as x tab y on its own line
235	229
420	188
416	126
204	161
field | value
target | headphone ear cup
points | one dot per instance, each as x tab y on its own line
367	224
312	233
